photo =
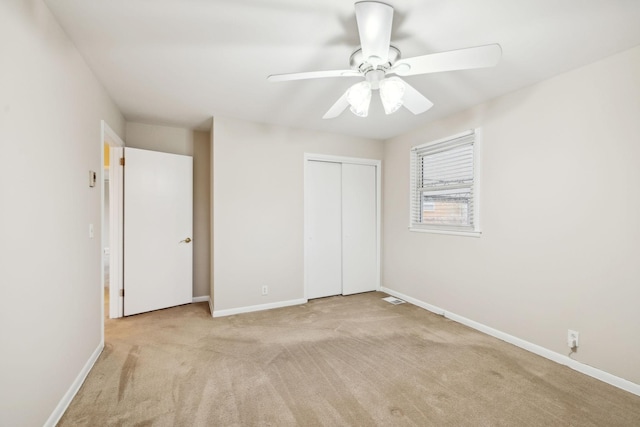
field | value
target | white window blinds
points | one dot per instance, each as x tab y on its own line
443	184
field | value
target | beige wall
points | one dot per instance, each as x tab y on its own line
166	139
51	106
190	143
560	211
258	207
211	217
201	213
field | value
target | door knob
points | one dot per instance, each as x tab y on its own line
187	240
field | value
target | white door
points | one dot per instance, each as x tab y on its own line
324	217
341	228
359	225
158	204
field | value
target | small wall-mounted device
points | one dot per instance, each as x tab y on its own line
573	339
92	179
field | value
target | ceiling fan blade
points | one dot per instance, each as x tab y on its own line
413	100
461	59
337	108
374	26
313	75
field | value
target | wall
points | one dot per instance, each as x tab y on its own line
258	207
189	143
165	139
51	106
211	218
201	213
559	210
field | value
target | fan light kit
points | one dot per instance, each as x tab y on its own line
380	64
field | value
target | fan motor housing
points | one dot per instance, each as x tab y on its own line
357	61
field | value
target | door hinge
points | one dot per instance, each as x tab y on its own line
121	292
121	161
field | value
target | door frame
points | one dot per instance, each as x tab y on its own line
116	224
350	160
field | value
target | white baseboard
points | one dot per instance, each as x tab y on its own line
269	306
526	345
204	298
75	386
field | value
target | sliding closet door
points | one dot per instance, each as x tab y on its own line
359	226
324	218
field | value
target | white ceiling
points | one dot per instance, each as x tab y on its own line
180	62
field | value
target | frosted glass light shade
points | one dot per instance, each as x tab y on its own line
391	94
359	97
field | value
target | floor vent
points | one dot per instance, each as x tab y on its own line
394	300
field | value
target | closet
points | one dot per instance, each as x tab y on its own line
341	227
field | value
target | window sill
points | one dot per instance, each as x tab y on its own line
450	232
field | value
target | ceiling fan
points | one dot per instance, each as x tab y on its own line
381	65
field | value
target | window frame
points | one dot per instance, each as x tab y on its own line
476	231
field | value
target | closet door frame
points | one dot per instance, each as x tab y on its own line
349	160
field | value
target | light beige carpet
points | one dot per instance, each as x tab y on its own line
353	360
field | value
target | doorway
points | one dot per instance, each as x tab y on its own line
111	147
342	225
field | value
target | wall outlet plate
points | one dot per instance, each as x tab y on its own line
573	338
265	290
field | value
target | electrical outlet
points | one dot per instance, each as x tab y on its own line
573	338
265	290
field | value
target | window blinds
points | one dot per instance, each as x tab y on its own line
443	184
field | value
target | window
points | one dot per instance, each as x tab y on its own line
444	185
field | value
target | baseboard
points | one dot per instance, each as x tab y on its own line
204	298
526	345
249	309
75	386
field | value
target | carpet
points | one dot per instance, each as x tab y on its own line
337	361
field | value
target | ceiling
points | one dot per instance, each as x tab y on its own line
180	62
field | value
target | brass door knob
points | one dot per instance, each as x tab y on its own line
187	240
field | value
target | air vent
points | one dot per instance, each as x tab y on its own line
394	300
